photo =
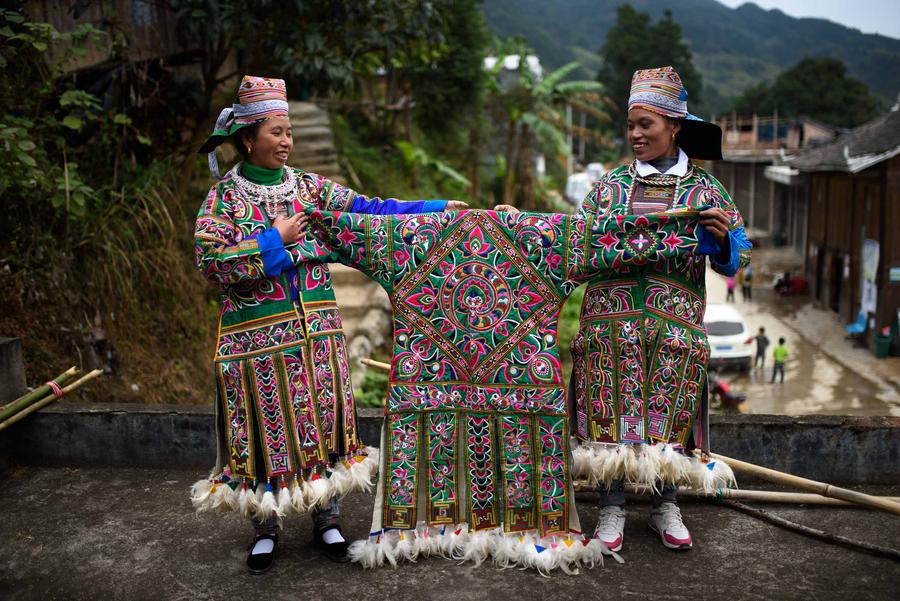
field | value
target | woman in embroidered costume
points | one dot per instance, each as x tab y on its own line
641	351
285	416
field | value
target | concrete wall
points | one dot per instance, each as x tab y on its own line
836	449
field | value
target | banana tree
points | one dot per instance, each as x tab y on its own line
532	108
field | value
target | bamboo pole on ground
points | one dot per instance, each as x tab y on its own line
49	399
739	494
821	488
35	395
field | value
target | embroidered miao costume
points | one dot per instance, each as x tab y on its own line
640	355
476	456
285	416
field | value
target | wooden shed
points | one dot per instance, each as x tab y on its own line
853	235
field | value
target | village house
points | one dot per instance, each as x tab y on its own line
753	144
852	189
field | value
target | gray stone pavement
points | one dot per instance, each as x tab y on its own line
131	534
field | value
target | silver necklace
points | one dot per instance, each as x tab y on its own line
271	199
658	180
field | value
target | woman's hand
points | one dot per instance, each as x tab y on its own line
291	228
506	208
716	222
456	205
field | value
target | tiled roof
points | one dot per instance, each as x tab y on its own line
855	150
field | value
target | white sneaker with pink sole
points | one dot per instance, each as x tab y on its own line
666	521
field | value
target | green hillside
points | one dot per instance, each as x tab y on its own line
733	48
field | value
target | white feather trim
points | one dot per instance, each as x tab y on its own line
582	457
568	553
245	498
364	552
476	547
675	466
340	481
712	475
405	548
647	466
268	506
200	491
231	496
297	498
218	495
284	499
317	491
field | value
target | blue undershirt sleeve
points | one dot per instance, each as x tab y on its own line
275	258
391	206
727	261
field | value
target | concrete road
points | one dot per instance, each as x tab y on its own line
131	534
815	383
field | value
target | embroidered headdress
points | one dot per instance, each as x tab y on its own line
258	98
660	91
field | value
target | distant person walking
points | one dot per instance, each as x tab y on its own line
762	343
746	280
780	355
729	285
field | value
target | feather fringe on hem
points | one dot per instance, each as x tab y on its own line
295	495
649	464
528	550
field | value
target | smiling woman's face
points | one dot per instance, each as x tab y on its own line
650	135
273	143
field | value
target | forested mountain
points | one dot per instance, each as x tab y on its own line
733	48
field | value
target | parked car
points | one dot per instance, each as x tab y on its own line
730	342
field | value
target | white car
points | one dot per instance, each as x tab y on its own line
730	342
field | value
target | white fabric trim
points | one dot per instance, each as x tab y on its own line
678	169
261	106
679	107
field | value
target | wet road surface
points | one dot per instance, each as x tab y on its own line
814	383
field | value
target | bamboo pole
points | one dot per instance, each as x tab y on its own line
375	364
815	532
50	399
35	395
756	496
821	488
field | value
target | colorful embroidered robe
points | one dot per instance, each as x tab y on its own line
285	411
477	435
640	355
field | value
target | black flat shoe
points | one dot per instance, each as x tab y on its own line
259	563
336	552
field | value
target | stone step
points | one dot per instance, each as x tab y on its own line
308	121
329	170
319	157
341	275
303	109
314	146
316	132
362	299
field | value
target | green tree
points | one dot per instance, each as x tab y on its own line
633	43
453	83
366	53
815	87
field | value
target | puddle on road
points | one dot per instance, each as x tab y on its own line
814	383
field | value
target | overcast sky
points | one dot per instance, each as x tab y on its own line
869	16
